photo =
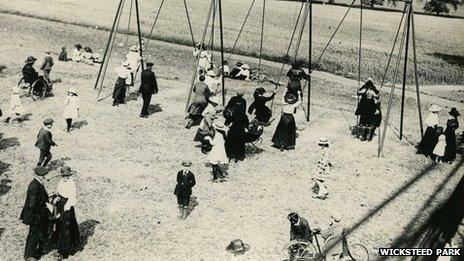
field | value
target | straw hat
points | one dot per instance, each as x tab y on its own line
323	141
290	98
219	108
370	80
72	90
30	59
134	48
246	66
219	125
237	246
125	63
435	108
214	99
186	163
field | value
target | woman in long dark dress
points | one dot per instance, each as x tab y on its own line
450	133
183	190
119	92
199	102
285	134
430	138
67	232
237	120
262	113
295	75
366	109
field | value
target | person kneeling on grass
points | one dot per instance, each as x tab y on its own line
183	190
71	110
44	143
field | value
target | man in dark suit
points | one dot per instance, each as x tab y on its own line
35	214
29	73
148	87
47	65
299	228
44	143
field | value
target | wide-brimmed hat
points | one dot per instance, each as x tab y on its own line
125	63
290	98
237	246
239	64
66	171
435	108
40	171
211	73
72	90
336	216
245	66
219	108
186	163
214	99
260	90
323	141
30	59
370	80
48	51
134	48
454	112
48	121
219	125
150	64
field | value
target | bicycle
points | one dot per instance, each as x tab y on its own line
297	250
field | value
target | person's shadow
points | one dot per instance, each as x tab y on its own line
193	203
58	163
154	108
8	143
86	229
79	124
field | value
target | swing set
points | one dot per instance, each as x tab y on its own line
134	4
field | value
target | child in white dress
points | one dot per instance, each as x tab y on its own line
439	150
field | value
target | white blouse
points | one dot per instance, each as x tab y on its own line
290	108
432	119
67	189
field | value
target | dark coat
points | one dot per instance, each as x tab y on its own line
263	113
63	56
29	73
149	84
451	145
35	209
185	183
302	232
44	140
47	63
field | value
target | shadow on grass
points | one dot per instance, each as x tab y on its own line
252	149
4	185
450	58
25	117
133	96
87	229
79	124
154	108
4	167
8	143
192	205
58	163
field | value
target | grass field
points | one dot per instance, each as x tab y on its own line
126	165
440	52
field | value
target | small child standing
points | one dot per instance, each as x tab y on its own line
439	150
44	143
71	110
16	109
183	190
217	155
323	167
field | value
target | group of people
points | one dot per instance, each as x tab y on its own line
51	219
438	143
80	55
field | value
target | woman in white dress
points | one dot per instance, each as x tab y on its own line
16	108
71	110
204	57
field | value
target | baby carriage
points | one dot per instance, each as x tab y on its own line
253	136
37	84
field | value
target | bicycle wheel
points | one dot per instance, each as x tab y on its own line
298	251
359	252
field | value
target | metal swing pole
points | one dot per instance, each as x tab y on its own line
392	90
405	68
416	76
262	36
310	53
129	22
241	29
360	40
108	44
139	32
188	21
222	51
154	23
211	39
192	81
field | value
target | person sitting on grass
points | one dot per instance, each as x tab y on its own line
63	56
243	73
87	56
183	191
76	54
45	142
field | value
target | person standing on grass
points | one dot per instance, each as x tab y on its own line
124	78
47	65
217	156
71	110
439	149
183	190
430	138
284	137
451	145
148	87
16	108
35	214
238	123
44	143
134	59
366	108
295	75
204	57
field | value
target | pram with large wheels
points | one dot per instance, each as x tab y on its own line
37	84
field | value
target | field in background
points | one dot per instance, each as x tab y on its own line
439	40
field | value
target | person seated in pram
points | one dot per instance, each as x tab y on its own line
262	113
30	75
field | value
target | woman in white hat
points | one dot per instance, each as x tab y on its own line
205	59
217	155
124	79
430	138
16	108
284	136
71	109
134	59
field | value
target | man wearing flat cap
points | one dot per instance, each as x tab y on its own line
148	87
35	214
44	143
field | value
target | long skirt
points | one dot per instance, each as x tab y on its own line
235	144
451	146
68	233
285	133
195	112
428	142
119	92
